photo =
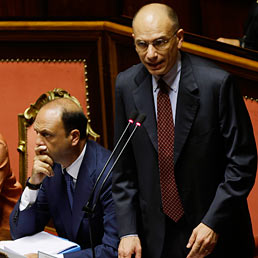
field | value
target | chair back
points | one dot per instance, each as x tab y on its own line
22	82
252	106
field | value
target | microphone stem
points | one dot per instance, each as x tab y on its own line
86	208
90	211
91	238
117	144
105	179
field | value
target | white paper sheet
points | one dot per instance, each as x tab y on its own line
42	241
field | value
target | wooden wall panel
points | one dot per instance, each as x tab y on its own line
81	9
22	9
224	18
57	9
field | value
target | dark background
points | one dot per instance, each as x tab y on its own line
209	18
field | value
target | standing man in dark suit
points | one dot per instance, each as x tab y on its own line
63	151
200	208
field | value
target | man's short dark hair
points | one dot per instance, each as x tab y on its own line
75	120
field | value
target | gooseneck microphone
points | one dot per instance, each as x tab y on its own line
89	208
131	119
138	123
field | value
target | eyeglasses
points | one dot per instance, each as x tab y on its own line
159	44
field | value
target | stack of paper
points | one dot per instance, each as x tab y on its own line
40	242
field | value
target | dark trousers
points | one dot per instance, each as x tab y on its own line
178	234
176	238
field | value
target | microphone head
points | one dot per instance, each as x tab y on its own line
132	116
140	119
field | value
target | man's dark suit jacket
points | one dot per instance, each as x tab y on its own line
215	158
52	202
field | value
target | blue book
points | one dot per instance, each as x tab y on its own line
72	249
43	242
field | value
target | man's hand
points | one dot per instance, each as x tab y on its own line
130	245
233	42
42	165
202	241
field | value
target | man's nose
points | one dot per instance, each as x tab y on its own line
39	140
151	52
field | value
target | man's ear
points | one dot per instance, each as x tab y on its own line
180	38
75	137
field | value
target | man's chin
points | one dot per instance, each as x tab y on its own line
156	70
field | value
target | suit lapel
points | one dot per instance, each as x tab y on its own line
143	98
187	105
83	188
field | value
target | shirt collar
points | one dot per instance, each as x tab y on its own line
73	169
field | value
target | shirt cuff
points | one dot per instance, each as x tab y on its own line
130	235
28	198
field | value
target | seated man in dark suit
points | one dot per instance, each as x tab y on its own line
10	188
62	150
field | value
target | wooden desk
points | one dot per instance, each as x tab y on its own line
5	234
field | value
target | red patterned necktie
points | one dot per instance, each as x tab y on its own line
171	202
